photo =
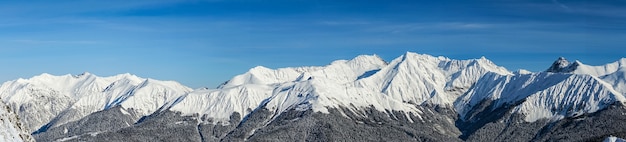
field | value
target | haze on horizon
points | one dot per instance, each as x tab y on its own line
205	42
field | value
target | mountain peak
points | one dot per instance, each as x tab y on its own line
259	69
411	56
367	58
44	75
561	62
483	58
562	65
484	61
365	62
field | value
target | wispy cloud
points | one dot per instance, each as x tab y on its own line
42	8
561	4
344	23
412	27
596	8
604	10
31	41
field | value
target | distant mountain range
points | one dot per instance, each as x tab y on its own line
414	97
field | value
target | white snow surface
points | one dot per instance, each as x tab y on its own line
600	70
44	98
424	79
614	139
617	79
365	81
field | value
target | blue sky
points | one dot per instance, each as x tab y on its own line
205	42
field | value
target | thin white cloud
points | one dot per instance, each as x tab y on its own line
561	4
412	27
46	8
344	23
585	8
31	41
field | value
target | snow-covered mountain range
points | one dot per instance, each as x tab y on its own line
374	99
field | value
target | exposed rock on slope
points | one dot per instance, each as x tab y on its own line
11	128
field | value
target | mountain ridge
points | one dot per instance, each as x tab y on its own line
84	94
411	90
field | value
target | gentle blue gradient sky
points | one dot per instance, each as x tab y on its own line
205	42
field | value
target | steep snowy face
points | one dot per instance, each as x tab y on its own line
424	79
506	89
11	129
55	100
219	104
617	80
150	95
320	95
542	95
577	95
